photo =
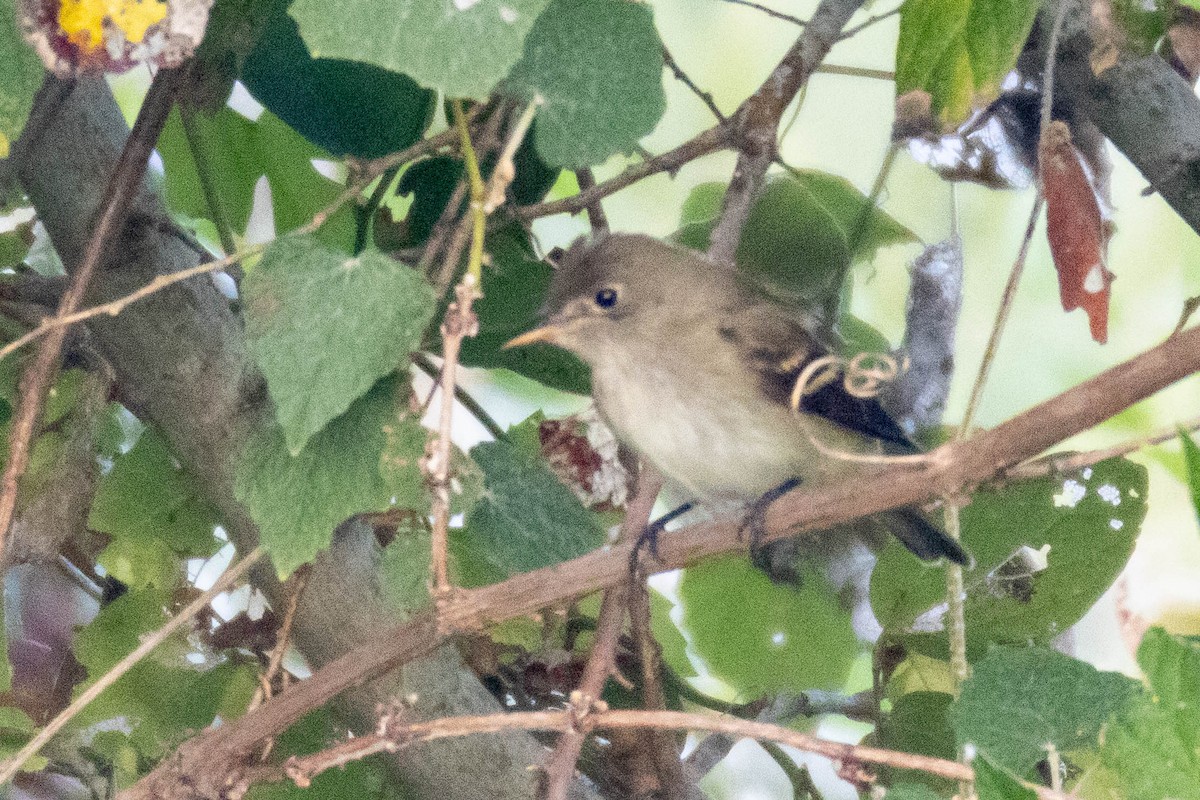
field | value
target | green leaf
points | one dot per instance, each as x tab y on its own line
457	48
1143	23
323	327
346	107
771	637
1143	755
1018	700
513	290
598	65
297	501
526	519
1191	457
910	791
1172	666
155	512
237	152
403	572
431	183
361	778
668	636
1089	521
995	783
798	236
22	76
15	244
960	50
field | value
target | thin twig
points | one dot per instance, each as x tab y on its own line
868	22
682	77
366	212
122	188
710	141
595	211
1072	462
665	752
483	146
460	321
395	736
462	396
216	210
757	121
298	581
585	700
1014	278
857	72
770	12
153	640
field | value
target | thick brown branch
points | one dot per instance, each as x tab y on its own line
122	188
948	471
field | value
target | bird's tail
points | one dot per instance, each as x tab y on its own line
922	537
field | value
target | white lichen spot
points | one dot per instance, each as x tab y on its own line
1086	472
508	14
778	638
463	5
1094	280
1116	524
1072	492
1110	494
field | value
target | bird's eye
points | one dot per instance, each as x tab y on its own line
606	297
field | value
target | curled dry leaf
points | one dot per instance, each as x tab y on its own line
75	36
1076	229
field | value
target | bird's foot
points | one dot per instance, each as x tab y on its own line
648	539
754	524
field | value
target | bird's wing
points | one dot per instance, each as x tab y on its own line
777	348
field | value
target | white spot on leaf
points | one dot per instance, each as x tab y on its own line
1110	493
1116	524
1072	492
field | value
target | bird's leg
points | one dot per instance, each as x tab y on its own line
649	536
754	524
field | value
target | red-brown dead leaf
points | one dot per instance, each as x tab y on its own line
1075	228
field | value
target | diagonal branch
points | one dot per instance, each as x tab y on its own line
950	470
757	120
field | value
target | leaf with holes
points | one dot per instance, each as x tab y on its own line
1018	590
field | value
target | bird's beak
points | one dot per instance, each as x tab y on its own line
549	334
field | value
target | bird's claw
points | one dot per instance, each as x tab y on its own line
754	524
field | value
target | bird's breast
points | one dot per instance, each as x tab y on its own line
714	432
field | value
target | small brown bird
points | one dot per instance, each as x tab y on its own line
693	368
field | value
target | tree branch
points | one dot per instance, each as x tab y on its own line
948	471
757	121
122	187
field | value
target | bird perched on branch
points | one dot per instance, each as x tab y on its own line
693	369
